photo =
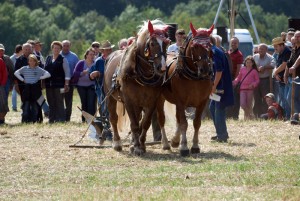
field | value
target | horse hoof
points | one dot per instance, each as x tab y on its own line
101	142
184	153
166	147
131	149
174	144
195	150
139	151
117	146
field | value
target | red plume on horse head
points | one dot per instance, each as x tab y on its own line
152	30
150	27
203	32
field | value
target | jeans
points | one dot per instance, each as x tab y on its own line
282	94
88	99
296	95
14	96
218	115
45	107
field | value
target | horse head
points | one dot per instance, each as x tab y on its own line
199	50
156	46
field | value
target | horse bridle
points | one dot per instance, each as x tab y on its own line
154	79
188	72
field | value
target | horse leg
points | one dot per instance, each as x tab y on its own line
197	123
161	122
180	114
176	138
113	118
145	124
134	116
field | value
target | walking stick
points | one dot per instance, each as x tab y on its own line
293	95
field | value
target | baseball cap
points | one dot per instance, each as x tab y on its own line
270	95
2	47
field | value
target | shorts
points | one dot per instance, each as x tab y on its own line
3	100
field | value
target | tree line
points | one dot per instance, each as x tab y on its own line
85	21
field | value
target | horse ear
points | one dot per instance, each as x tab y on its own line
194	32
150	27
165	29
211	29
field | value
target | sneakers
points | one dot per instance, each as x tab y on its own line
216	139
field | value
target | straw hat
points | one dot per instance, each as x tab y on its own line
277	41
106	45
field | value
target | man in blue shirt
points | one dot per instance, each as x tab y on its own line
96	73
221	81
72	59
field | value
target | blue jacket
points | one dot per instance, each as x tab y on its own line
221	65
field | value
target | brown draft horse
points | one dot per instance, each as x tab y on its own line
188	84
137	74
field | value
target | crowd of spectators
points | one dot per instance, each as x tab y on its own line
256	75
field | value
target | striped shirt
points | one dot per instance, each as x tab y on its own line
31	75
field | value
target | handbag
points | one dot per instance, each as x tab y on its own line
238	85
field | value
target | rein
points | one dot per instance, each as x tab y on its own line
184	69
152	80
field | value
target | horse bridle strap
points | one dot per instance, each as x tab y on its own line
142	79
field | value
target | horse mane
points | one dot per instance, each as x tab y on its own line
128	60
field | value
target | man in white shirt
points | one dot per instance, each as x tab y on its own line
174	48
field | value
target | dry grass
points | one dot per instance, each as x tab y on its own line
261	162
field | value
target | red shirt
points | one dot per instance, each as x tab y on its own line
3	73
275	111
236	58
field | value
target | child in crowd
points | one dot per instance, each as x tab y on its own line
247	80
31	75
275	111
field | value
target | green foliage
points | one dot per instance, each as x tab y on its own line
61	16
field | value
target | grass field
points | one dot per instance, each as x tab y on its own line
260	162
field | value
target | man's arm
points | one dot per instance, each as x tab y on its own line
295	65
218	76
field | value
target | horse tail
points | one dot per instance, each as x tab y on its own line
123	119
170	112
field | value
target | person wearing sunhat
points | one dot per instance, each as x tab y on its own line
284	54
96	73
37	50
275	111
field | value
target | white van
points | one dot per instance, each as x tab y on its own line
246	41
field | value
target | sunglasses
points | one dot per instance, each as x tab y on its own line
95	46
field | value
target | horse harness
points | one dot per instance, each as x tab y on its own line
182	68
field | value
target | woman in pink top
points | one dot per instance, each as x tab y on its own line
248	76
